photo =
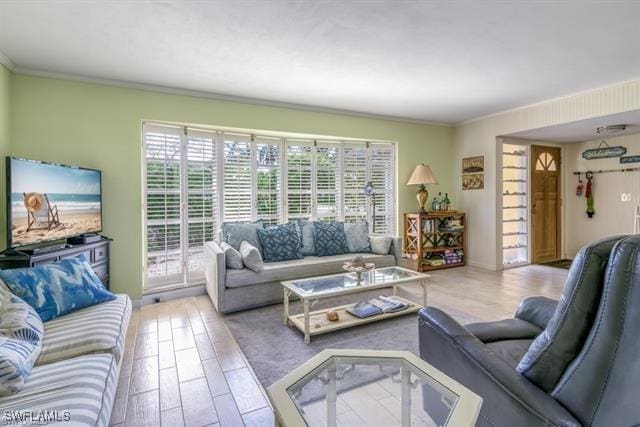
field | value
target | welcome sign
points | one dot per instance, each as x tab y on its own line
603	152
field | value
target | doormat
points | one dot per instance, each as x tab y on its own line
561	263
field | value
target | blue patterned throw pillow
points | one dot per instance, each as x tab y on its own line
330	238
234	233
21	333
58	288
280	243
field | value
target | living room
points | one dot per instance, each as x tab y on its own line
285	212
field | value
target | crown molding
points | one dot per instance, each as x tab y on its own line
546	101
7	62
219	97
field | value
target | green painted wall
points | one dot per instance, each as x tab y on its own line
5	102
99	126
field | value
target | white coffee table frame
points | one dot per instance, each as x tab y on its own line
303	321
464	413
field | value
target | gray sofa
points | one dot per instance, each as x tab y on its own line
234	290
575	362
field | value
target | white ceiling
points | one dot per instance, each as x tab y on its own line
426	60
584	130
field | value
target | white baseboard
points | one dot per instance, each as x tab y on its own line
161	296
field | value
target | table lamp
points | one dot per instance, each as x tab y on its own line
422	175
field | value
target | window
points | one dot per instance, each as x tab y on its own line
545	162
268	189
328	182
382	176
355	178
238	186
196	179
180	206
298	176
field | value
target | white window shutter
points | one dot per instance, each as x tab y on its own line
196	179
299	177
162	173
238	194
354	165
268	186
328	182
201	206
382	175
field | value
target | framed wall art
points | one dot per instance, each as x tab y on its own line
473	164
473	181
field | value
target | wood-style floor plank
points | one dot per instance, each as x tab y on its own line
197	403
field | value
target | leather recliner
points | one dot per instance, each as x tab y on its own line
575	362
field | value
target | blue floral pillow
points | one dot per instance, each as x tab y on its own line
58	288
280	243
21	333
330	238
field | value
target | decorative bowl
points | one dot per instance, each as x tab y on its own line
358	267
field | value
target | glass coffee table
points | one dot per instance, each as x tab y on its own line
313	289
370	387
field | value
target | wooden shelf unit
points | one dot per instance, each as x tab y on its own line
424	239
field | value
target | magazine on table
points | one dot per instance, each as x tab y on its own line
377	305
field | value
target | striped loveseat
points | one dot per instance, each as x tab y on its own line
75	377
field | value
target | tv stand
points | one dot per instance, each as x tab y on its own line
97	254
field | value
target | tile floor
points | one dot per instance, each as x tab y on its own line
182	368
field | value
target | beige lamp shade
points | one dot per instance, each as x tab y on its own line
421	175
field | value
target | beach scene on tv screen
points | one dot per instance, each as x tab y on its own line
52	202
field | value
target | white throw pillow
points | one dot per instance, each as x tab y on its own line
380	245
251	257
232	257
21	333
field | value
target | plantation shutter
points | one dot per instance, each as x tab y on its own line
268	180
328	185
354	165
238	197
201	184
163	157
382	175
299	176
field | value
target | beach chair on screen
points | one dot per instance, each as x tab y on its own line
41	215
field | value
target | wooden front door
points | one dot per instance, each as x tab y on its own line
545	203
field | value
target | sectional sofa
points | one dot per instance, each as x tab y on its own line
74	380
234	290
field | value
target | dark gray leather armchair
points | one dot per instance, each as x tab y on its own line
575	362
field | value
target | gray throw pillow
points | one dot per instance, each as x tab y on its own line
357	236
380	245
232	257
305	230
234	233
251	257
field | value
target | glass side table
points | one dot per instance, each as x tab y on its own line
371	387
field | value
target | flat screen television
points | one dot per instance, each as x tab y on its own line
49	201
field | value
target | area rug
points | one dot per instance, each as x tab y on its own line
273	349
561	263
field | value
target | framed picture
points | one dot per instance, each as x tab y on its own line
474	181
473	164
